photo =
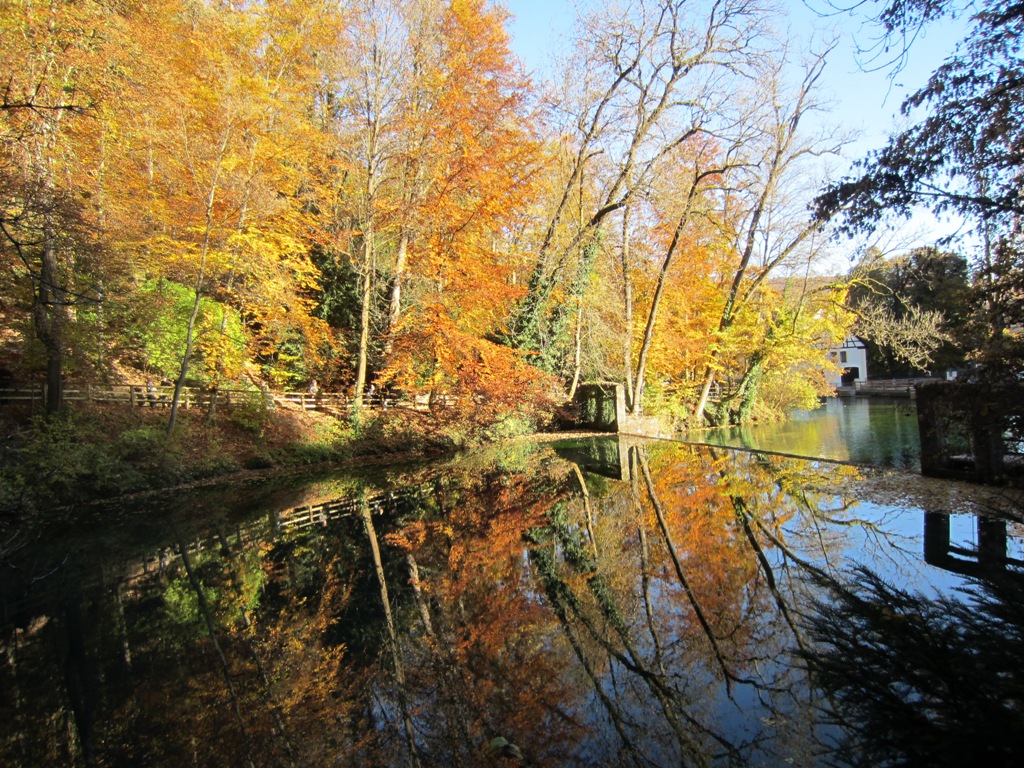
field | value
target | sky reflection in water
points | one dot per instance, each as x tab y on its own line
597	602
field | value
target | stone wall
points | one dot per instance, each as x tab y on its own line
601	407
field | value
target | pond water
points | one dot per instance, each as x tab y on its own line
872	431
572	603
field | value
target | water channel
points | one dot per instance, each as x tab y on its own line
576	602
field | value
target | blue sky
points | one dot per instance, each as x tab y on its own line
867	102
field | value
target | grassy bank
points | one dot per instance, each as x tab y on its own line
97	452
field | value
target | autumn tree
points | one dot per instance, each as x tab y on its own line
650	75
371	79
962	157
767	226
169	144
217	157
683	132
915	310
471	187
54	78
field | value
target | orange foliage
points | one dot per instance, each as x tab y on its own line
470	378
474	172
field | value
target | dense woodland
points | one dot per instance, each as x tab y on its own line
375	194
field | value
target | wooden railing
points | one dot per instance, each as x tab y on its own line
138	396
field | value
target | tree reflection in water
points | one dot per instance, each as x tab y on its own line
917	681
511	607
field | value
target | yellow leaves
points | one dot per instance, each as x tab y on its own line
213	148
413	536
269	244
435	165
456	555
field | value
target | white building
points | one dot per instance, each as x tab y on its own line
852	359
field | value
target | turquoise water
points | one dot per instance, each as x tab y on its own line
870	431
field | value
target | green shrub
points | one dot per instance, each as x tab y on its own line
60	461
143	446
215	464
157	324
252	413
309	453
512	425
258	461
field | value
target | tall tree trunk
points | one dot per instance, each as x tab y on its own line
666	264
783	153
395	308
101	225
81	682
51	300
364	316
396	655
48	317
186	357
211	628
677	562
705	393
749	397
421	600
627	311
578	353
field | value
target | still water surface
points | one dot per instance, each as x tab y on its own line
588	602
875	432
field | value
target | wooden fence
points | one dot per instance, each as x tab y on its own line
137	396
